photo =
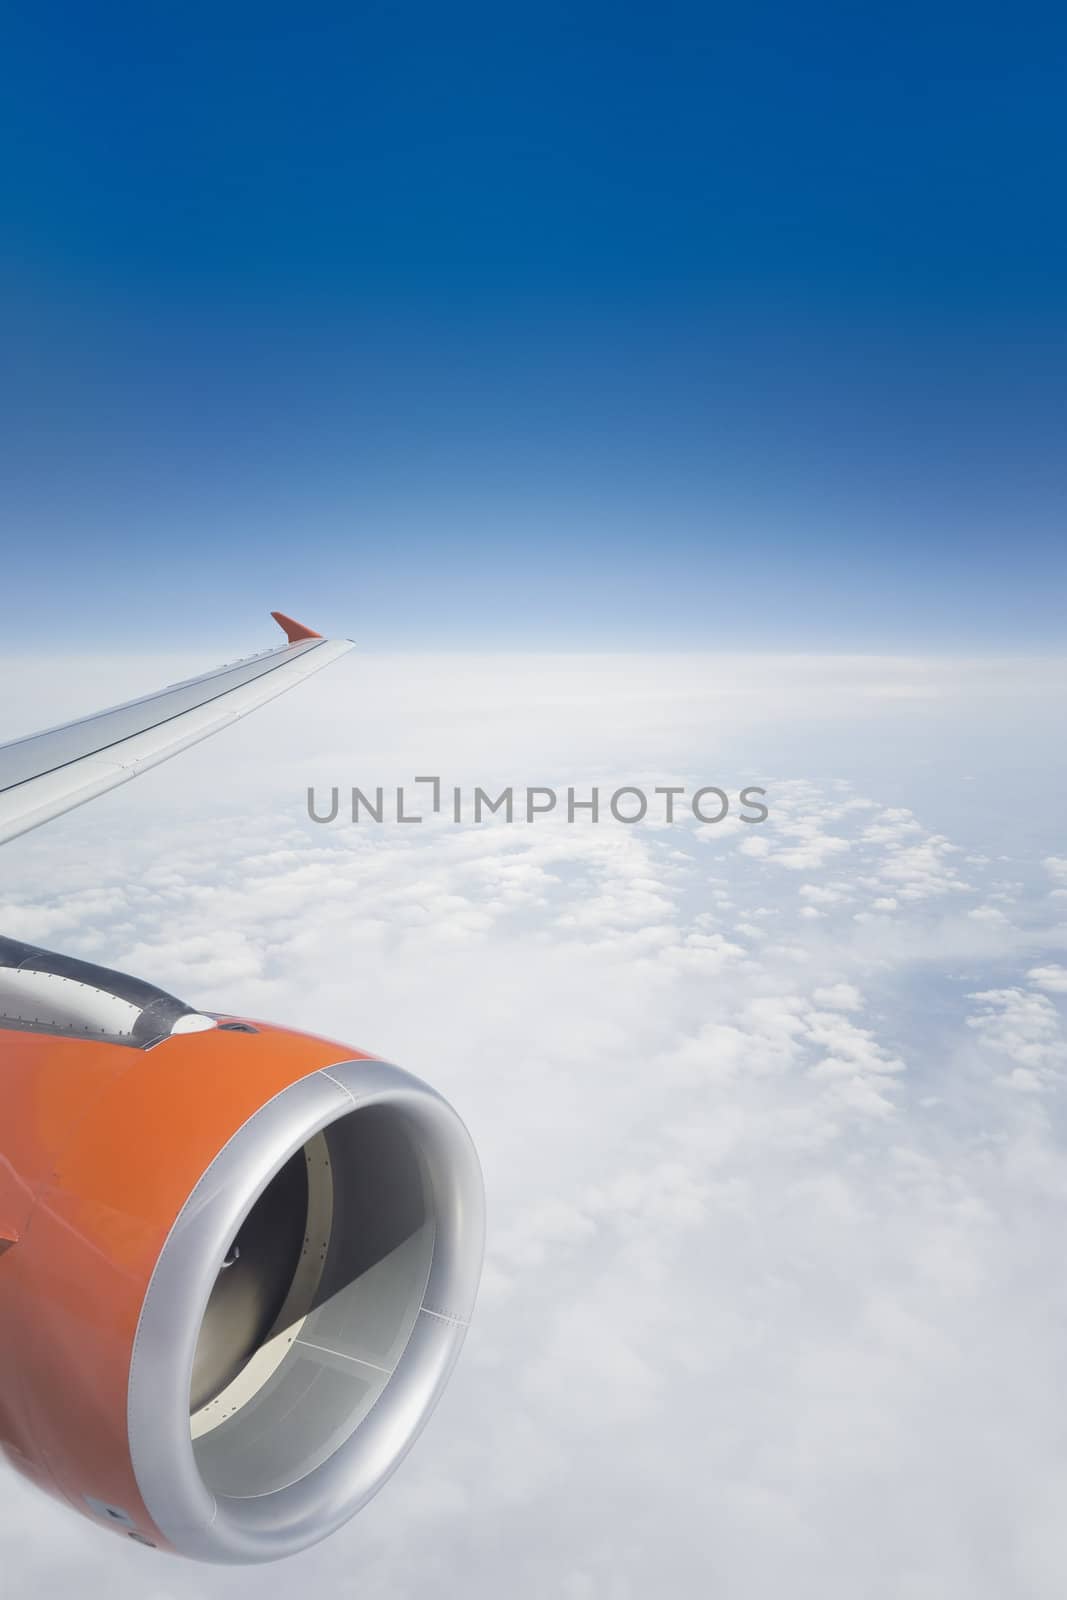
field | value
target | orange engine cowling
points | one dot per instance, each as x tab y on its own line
236	1263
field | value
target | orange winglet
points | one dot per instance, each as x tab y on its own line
294	631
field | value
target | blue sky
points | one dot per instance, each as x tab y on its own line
574	327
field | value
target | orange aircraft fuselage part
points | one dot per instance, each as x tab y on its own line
100	1147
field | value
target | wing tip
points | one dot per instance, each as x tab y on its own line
294	631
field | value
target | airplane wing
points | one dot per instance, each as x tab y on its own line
48	773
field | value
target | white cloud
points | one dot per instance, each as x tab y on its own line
990	914
1053	978
1026	1029
839	997
825	894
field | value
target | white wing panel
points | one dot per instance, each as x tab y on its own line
52	772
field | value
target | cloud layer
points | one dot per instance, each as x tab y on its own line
772	1125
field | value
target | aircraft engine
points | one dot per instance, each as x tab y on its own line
237	1263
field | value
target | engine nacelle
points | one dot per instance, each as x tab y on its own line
237	1263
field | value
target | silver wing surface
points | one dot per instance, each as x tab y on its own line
48	773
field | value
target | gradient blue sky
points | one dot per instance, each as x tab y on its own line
569	326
